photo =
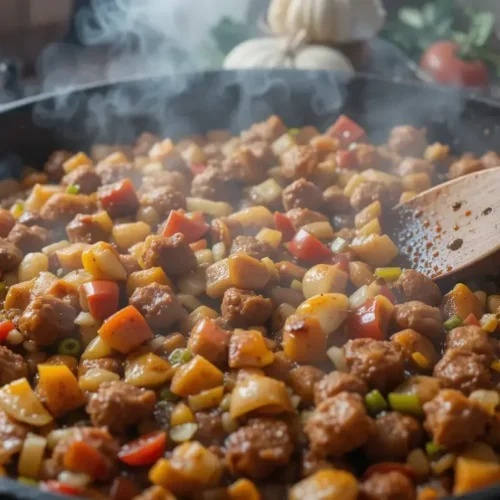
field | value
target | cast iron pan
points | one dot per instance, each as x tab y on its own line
180	105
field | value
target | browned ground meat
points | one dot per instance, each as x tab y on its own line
418	316
99	439
83	229
144	143
85	177
302	216
12	434
491	159
337	382
28	239
379	363
270	129
367	156
257	449
111	172
303	379
280	368
210	430
264	155
117	206
172	254
54	165
107	363
163	199
465	166
12	366
463	370
7	222
411	166
253	247
452	419
211	185
158	304
393	437
62	207
242	166
33	219
46	319
335	201
471	338
165	178
416	286
302	194
407	141
118	406
298	162
493	434
392	485
10	255
244	308
338	425
367	192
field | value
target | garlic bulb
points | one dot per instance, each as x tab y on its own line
278	53
327	21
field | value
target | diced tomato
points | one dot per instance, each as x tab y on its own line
145	450
179	223
346	159
61	488
342	260
196	216
385	467
102	298
387	292
470	320
119	194
346	131
81	457
369	321
5	328
198	168
305	246
199	245
284	225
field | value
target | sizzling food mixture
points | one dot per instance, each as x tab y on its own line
222	318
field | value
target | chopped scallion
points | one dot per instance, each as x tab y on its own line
432	448
3	286
375	402
294	132
453	322
69	347
388	273
405	403
167	395
73	189
180	356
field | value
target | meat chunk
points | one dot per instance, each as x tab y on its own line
164	178
118	199
369	191
411	166
298	162
54	165
7	222
107	363
416	286
491	159
259	448
210	430
465	166
85	177
335	201
493	435
301	216
172	254
418	316
12	366
99	439
163	199
62	207
158	304
28	239
412	342
392	485
84	229
268	130
367	156
10	255
243	166
302	194
393	437
12	434
47	319
244	308
452	419
462	370
114	172
303	380
144	143
118	406
378	362
407	141
338	425
253	247
211	184
336	382
471	338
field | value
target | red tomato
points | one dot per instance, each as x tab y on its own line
385	467
441	60
5	328
118	195
102	298
145	450
284	225
61	488
346	131
347	159
471	320
368	321
198	168
192	229
305	246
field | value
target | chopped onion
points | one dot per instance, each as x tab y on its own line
337	357
183	432
53	437
76	479
85	319
30	459
488	399
189	301
322	230
339	245
219	251
213	208
360	296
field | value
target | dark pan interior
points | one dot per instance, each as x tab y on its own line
187	104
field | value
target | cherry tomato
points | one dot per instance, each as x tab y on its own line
102	298
191	228
346	159
346	131
305	246
471	320
284	225
61	488
5	328
145	450
441	60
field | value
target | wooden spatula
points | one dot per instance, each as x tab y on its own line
451	227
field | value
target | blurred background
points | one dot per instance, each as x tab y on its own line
46	46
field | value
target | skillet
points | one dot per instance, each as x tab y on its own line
187	104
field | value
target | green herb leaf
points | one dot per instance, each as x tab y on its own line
411	17
429	13
482	25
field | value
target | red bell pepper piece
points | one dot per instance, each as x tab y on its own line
346	159
81	457
119	198
192	229
346	131
284	225
60	488
5	328
368	321
145	450
305	246
471	320
102	298
387	292
198	168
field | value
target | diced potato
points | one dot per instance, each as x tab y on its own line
360	274
126	235
58	388
247	273
493	303
266	193
101	261
322	230
323	278
270	236
206	399
271	267
70	257
436	152
377	251
213	208
337	484
368	213
32	265
330	309
76	161
417	182
148	215
353	183
204	257
248	349
40	194
194	282
372	227
407	196
104	220
304	340
181	415
200	313
472	474
195	376
218	279
283	144
31	456
19	295
243	489
147	370
78	277
461	302
193	154
146	277
93	378
377	175
254	217
53	247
